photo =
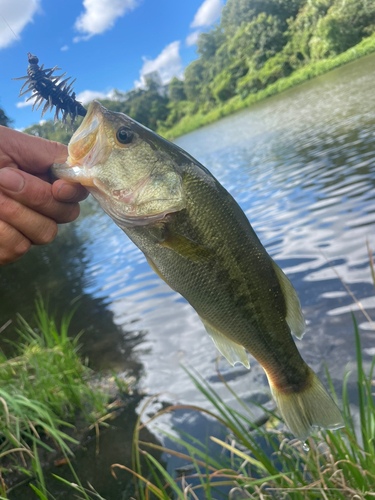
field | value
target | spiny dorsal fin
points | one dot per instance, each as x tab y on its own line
294	316
233	352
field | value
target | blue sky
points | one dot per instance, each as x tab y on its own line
105	44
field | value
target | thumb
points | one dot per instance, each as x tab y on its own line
30	153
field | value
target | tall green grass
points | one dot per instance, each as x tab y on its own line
43	389
254	462
192	122
46	366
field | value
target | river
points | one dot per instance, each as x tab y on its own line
302	167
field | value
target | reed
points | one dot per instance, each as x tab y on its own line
260	463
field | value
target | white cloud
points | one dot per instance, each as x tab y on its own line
168	64
64	48
192	38
89	95
23	104
207	13
100	16
15	14
84	97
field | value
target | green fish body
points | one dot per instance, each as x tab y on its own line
198	240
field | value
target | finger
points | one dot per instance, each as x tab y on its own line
39	229
30	153
36	194
68	192
13	244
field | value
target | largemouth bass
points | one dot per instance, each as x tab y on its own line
198	240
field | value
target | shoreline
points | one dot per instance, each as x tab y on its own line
193	122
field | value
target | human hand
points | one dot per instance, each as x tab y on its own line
30	207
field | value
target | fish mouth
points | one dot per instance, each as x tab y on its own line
88	147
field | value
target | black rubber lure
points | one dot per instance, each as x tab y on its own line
52	89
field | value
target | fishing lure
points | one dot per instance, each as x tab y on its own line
45	86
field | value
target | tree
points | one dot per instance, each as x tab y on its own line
238	12
195	77
176	90
303	28
48	130
146	106
4	119
209	43
347	22
257	41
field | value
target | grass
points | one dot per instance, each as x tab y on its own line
260	463
254	461
192	122
43	390
47	367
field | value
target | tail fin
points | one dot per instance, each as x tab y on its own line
311	407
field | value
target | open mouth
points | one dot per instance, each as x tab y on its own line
88	147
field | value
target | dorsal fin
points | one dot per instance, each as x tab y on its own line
294	316
233	352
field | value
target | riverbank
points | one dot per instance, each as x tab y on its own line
50	400
190	123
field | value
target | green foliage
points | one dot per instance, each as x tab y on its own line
51	131
347	22
4	119
222	86
176	90
194	80
145	106
209	43
238	12
257	41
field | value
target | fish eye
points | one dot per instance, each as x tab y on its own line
124	135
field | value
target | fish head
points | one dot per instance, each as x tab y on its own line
125	166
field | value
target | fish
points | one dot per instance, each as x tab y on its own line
198	240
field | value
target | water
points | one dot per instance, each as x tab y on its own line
301	165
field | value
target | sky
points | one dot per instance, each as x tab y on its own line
105	44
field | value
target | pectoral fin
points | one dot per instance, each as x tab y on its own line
187	248
233	352
294	316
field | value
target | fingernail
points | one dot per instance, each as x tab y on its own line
11	180
67	192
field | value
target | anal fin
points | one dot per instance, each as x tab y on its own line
294	316
233	352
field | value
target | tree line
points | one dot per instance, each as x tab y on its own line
256	43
